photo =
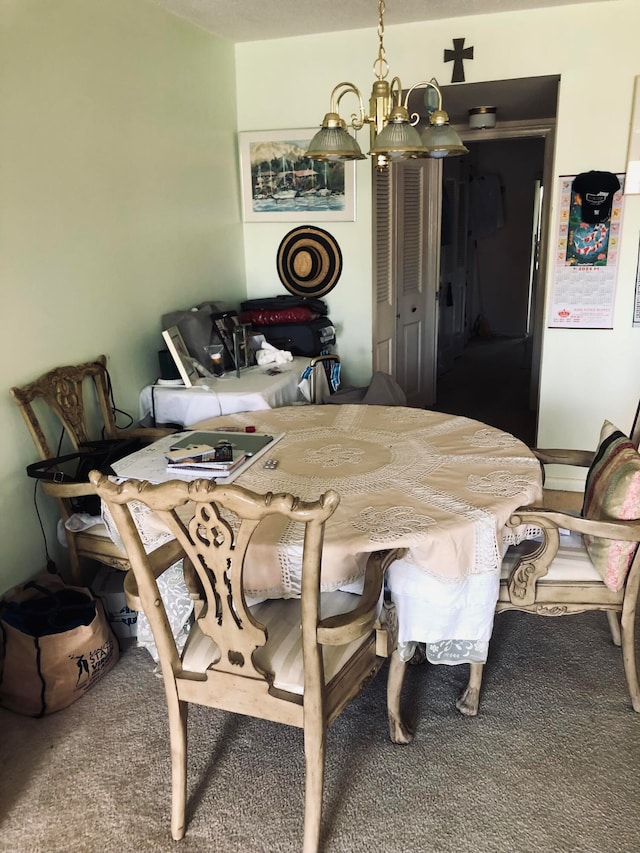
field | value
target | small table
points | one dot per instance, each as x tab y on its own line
254	390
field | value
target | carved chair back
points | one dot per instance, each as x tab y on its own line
297	662
62	408
65	391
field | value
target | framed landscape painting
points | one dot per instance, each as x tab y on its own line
281	184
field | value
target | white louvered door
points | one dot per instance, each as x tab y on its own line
384	301
406	269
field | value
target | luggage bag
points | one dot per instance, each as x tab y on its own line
306	339
284	303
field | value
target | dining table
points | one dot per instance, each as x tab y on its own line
437	488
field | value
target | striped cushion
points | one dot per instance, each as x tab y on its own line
612	490
282	655
571	563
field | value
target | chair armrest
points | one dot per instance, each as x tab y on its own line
531	567
345	627
548	519
67	490
551	456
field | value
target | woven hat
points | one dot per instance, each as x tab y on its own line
309	261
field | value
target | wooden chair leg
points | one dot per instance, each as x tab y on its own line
469	699
314	747
614	627
178	737
75	569
629	656
399	732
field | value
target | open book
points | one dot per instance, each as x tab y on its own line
207	466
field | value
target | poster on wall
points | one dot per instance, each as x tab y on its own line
586	251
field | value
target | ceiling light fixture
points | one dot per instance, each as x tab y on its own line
393	132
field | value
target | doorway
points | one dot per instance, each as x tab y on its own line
490	241
488	292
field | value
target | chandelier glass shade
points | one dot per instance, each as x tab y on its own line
393	130
333	142
441	140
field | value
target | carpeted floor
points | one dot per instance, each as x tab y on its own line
550	764
489	382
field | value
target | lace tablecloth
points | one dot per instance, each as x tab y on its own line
440	486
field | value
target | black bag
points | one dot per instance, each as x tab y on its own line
98	455
306	339
55	611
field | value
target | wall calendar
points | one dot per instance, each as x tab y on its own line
586	253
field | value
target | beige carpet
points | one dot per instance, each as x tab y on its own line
552	763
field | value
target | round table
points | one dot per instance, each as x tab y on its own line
440	486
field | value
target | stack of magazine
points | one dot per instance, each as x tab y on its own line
216	454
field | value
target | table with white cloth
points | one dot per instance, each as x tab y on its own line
440	486
257	388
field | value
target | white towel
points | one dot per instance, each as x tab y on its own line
271	355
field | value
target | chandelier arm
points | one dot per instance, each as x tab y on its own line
339	92
418	86
395	90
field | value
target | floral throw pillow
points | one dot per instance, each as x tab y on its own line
612	490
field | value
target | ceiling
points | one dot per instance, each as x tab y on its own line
255	20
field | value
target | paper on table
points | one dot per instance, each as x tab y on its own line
149	463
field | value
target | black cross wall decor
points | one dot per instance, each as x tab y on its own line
457	55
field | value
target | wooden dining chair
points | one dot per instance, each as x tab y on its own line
76	401
382	390
320	387
293	661
581	562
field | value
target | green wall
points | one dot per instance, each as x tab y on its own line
587	375
119	192
118	202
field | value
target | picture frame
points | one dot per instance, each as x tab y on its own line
280	184
224	325
180	354
632	180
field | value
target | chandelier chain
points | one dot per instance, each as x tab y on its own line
381	66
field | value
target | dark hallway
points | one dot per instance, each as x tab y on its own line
489	382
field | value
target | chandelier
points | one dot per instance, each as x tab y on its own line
393	132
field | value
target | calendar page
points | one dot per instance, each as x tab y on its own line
585	263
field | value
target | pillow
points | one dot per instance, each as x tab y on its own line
612	490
